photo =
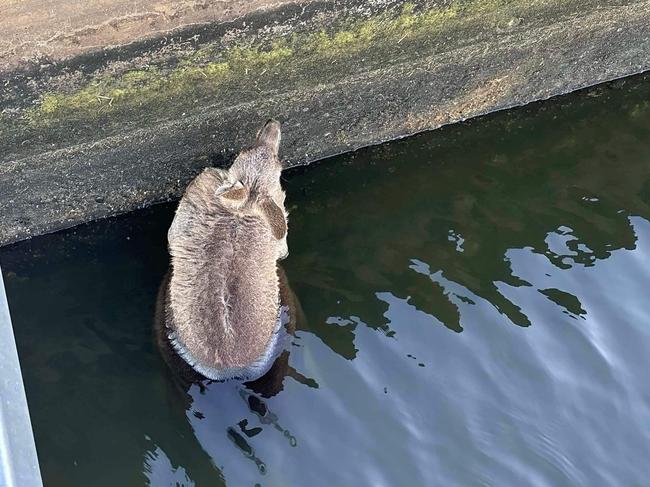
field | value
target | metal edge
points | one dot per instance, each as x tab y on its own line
18	459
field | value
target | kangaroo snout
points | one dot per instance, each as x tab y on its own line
270	135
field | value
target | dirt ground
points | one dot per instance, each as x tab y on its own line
60	29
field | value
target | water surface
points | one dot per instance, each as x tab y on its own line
475	313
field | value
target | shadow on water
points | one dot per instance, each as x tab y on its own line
527	231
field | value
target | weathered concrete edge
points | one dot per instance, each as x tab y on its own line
499	74
18	460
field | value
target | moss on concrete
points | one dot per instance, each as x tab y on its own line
204	73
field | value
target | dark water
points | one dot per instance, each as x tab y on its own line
475	306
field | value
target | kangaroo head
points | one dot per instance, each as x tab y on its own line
253	180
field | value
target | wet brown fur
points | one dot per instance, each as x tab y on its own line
222	297
268	385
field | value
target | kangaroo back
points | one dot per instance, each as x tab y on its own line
226	238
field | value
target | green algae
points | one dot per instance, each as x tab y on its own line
203	74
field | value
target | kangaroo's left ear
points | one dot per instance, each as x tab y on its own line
275	217
233	191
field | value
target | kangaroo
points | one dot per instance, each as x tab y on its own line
221	313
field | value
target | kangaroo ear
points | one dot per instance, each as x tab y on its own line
232	191
275	216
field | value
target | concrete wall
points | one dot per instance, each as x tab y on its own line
110	106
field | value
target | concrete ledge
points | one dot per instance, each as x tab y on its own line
110	130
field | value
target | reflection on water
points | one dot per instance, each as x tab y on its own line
474	313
